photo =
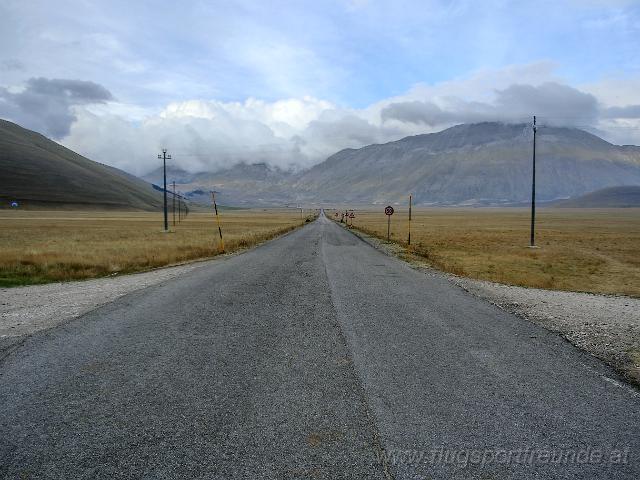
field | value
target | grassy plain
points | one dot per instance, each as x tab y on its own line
584	250
41	246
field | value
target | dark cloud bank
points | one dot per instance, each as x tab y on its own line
46	105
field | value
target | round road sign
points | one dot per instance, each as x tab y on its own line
388	210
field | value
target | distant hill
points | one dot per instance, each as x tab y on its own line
38	172
612	197
242	185
484	163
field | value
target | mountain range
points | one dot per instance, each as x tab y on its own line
471	164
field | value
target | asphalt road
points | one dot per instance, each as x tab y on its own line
311	356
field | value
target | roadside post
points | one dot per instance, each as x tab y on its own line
388	211
173	203
215	206
409	239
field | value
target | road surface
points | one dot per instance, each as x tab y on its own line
311	356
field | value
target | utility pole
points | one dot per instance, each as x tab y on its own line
533	188
215	206
409	239
164	157
174	203
179	210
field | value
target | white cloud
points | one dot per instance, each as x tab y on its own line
299	132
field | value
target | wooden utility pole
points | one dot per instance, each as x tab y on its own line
215	206
174	203
533	189
409	239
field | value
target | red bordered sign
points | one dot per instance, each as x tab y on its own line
388	210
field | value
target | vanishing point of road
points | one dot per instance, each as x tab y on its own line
311	356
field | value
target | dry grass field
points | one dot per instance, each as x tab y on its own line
41	246
580	249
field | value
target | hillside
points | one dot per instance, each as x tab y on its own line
613	197
485	163
37	172
243	184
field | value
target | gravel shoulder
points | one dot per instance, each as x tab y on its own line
26	310
606	326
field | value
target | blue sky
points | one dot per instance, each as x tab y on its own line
338	59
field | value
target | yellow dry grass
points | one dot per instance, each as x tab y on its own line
40	246
580	249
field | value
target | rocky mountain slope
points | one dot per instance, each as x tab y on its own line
486	163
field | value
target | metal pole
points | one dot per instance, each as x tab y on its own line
388	228
215	206
164	157
533	188
173	203
409	239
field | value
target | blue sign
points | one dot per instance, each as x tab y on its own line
14	204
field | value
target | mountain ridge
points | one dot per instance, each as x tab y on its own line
485	163
38	172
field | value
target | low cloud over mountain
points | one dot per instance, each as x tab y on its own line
297	133
47	105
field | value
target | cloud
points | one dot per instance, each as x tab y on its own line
427	113
46	105
12	65
296	133
558	103
563	103
630	111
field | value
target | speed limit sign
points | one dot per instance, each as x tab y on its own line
388	210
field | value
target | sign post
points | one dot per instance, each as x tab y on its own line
388	211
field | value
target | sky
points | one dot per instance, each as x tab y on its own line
290	83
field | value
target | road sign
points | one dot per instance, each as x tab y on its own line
352	215
388	210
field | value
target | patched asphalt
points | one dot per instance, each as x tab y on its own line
311	356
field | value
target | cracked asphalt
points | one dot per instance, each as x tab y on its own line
311	356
